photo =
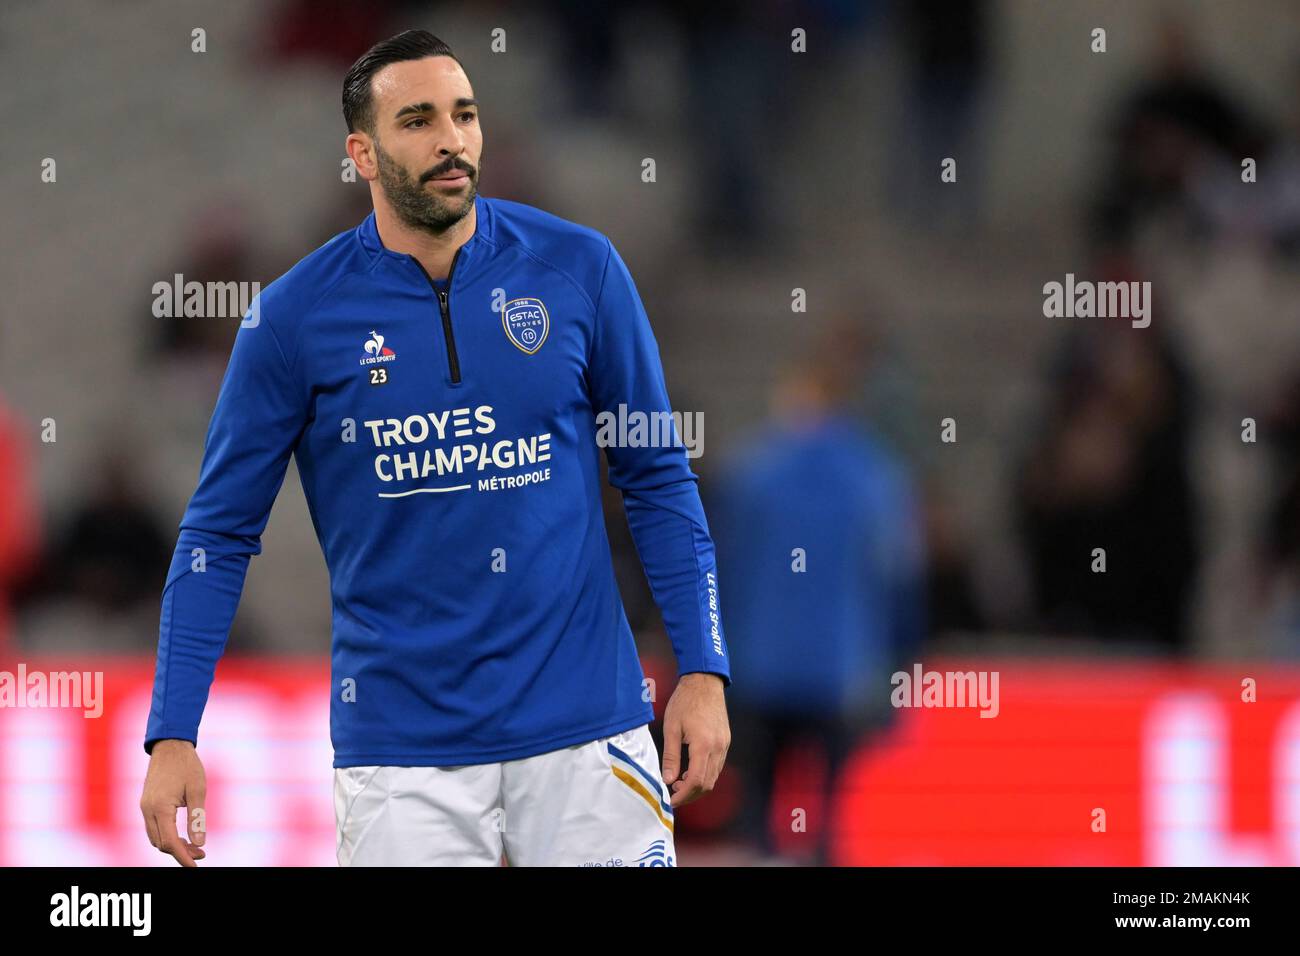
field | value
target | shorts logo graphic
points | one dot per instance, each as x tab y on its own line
526	323
656	855
376	351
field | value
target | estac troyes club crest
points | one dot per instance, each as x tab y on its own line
526	323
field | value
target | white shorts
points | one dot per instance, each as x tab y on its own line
601	803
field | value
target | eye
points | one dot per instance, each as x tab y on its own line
411	124
468	114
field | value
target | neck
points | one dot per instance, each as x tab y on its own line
434	251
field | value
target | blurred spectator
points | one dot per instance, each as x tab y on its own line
100	589
112	552
891	392
945	47
813	648
1267	209
951	595
1278	583
1110	469
331	32
734	56
19	524
592	54
1174	123
219	248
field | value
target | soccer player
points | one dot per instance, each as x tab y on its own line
441	373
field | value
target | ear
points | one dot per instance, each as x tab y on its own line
361	150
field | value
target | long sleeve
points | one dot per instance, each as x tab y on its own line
258	418
660	492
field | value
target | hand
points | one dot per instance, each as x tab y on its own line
175	779
697	716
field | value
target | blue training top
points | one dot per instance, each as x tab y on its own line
446	440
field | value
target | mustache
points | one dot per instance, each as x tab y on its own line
443	170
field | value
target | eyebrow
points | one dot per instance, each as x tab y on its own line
461	103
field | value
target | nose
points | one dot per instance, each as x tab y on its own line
450	139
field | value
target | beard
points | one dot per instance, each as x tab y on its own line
418	206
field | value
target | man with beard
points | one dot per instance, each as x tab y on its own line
438	373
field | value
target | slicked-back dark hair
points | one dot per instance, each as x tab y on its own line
358	99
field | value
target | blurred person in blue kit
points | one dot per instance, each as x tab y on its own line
822	572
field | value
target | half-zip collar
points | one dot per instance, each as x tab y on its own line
444	310
467	255
466	259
